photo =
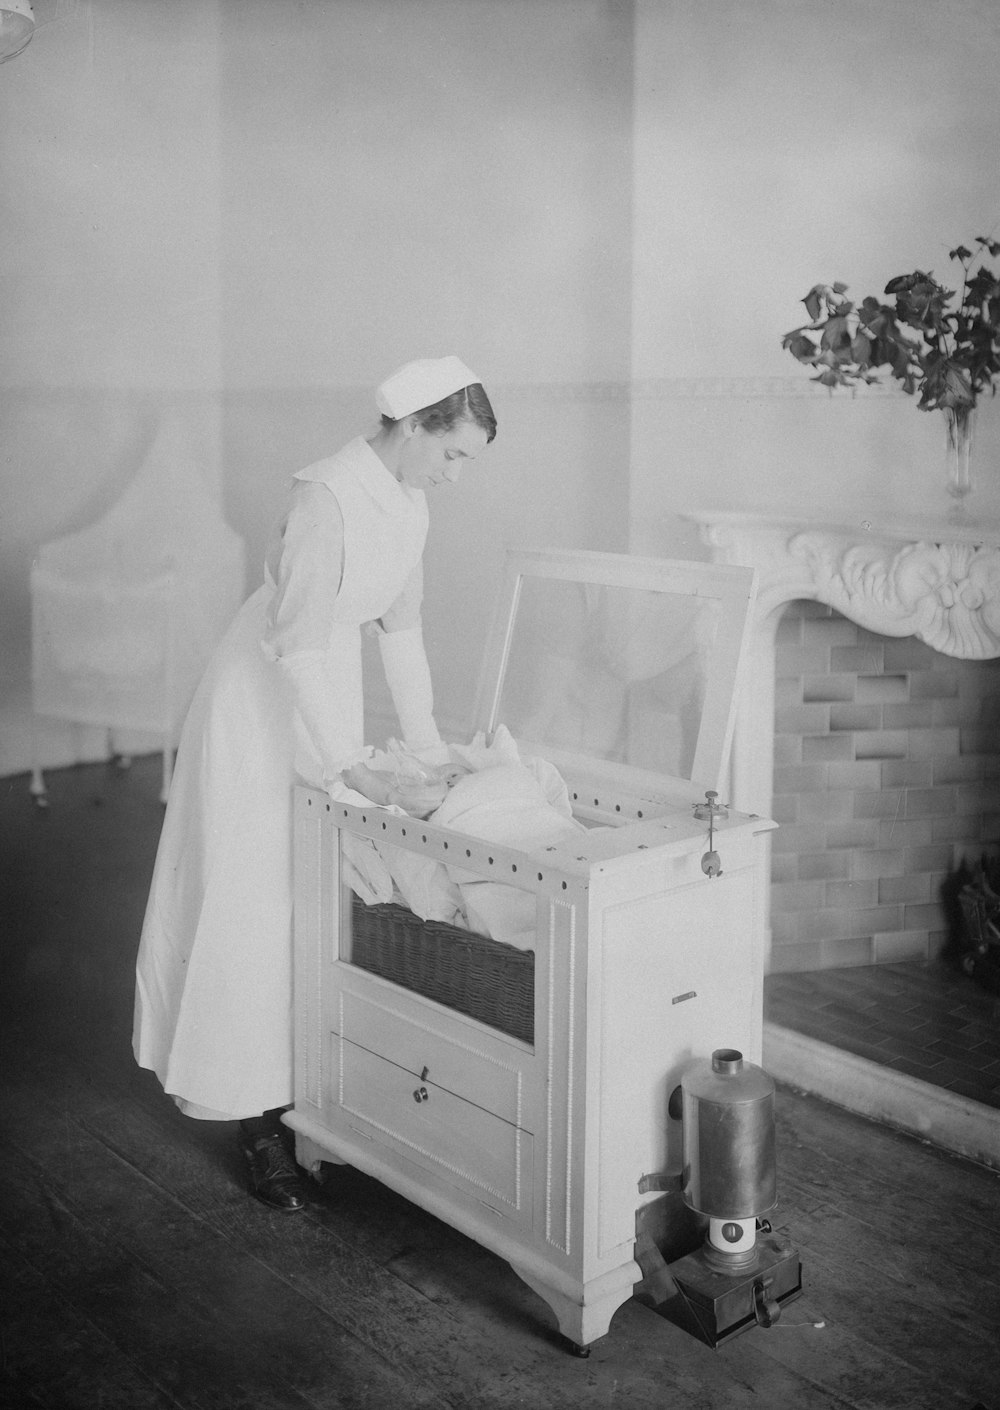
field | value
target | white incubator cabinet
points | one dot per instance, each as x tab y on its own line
520	1092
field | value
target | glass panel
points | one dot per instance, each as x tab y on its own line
611	672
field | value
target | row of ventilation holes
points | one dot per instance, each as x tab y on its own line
513	866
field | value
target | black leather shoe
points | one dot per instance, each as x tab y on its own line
274	1177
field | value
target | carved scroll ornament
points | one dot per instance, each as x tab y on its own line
947	594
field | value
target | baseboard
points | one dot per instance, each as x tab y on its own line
932	1113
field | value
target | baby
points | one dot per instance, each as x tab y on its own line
418	788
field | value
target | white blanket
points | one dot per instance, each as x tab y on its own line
503	799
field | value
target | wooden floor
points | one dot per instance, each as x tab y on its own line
137	1273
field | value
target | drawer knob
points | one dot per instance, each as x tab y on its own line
420	1095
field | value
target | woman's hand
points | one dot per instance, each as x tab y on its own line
418	797
368	782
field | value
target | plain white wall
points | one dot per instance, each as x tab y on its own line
779	144
249	212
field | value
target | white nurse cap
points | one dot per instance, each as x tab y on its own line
420	384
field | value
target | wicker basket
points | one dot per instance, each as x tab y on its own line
486	979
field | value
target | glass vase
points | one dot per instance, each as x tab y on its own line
959	423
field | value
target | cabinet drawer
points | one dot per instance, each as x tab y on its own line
461	1058
435	1128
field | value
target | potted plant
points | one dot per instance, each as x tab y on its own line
941	344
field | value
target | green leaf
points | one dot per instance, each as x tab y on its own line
814	301
861	349
836	334
799	346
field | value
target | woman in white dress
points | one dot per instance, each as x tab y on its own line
280	703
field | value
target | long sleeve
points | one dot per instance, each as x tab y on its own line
329	707
409	678
404	661
305	566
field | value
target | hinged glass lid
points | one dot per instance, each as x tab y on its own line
630	661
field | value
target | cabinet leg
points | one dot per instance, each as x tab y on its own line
311	1156
585	1316
38	789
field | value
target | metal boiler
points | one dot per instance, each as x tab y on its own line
743	1273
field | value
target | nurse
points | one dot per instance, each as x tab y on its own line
281	703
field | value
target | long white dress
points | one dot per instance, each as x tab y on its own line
281	702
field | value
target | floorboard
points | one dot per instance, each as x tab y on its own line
137	1273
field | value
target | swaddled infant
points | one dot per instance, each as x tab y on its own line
508	805
496	797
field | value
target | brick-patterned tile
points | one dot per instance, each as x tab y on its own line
827	748
784	867
882	689
894	889
891	948
811	838
788	750
975	797
914	714
910	740
907	654
855	717
980	740
812	660
931	802
907	773
857	658
851	895
829	805
935	858
827	688
915	832
881	744
876	920
933	685
796	896
880	861
867	774
802	719
800	778
846	952
958	769
823	925
961	829
923	916
861	832
785	807
788	690
824	866
886	803
932	743
956	712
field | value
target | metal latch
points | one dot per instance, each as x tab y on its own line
711	863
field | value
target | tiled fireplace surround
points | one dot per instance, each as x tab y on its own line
869	725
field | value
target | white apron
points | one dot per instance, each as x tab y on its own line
213	1012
